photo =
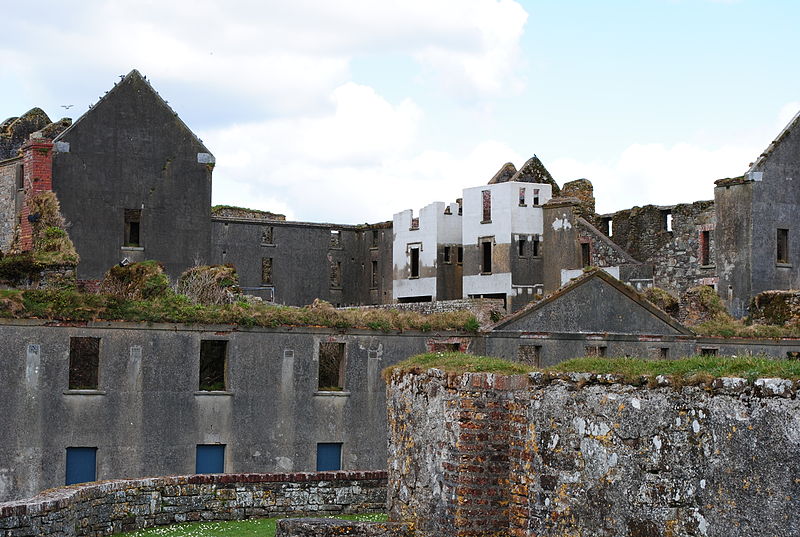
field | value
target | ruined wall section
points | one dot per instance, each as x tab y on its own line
604	252
9	209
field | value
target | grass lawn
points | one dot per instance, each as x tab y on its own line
262	527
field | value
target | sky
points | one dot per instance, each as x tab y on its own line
353	110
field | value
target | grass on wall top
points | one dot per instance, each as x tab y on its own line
686	370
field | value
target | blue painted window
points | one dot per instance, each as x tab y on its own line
81	465
329	457
210	459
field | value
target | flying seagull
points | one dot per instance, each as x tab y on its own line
67	106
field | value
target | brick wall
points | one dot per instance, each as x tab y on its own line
109	507
38	177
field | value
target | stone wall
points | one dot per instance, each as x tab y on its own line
586	455
325	527
776	307
486	310
8	202
112	507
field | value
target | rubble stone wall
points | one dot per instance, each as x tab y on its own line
110	507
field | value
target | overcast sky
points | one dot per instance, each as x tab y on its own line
348	111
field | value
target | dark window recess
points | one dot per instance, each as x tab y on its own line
20	177
586	254
374	238
708	352
438	346
84	363
415	223
210	459
133	231
521	247
446	254
460	255
331	367
266	235
415	262
595	351
374	274
212	364
783	246
486	268
521	197
530	355
535	196
336	273
535	247
81	465
487	205
329	457
793	355
664	353
266	270
705	247
336	241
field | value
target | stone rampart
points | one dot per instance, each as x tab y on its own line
585	455
110	507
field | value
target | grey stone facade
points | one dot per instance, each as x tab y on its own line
9	209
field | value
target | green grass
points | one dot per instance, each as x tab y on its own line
456	362
262	527
684	371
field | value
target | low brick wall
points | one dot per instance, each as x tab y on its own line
110	507
579	454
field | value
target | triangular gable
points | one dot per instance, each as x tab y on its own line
504	174
794	123
594	303
533	171
132	83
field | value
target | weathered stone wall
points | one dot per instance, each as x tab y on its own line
588	455
8	202
486	310
776	307
227	211
322	527
125	505
604	252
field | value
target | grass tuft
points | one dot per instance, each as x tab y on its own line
456	362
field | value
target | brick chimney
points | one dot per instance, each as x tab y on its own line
37	176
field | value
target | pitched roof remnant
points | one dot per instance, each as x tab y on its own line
794	123
534	171
15	130
504	174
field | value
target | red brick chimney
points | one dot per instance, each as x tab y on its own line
37	164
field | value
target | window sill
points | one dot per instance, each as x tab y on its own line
413	277
486	273
332	393
708	266
84	392
214	393
783	265
268	244
373	247
486	221
335	248
132	248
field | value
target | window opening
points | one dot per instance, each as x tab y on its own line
783	246
415	223
210	459
374	274
329	457
705	247
487	257
535	196
664	353
529	355
374	238
84	363
20	180
521	247
667	221
415	262
487	206
133	218
266	235
793	355
440	346
81	465
336	241
331	367
535	247
586	257
460	255
336	273
266	270
446	254
521	197
595	351
610	227
708	351
212	364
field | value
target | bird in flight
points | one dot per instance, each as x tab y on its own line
67	106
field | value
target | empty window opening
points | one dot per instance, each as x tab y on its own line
586	254
210	459
415	262
20	177
374	279
668	222
336	241
521	247
487	206
610	227
460	255
329	457
84	363
783	246
521	197
374	238
535	247
446	254
336	273
440	346
266	235
266	270
535	196
530	355
133	231
331	367
486	268
213	355
708	351
664	353
793	355
415	223
81	465
705	247
595	351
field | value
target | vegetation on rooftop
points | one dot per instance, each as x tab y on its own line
690	370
